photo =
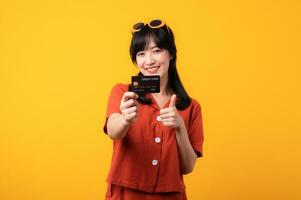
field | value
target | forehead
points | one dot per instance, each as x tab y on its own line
151	43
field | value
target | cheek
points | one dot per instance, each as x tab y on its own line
165	61
164	58
140	66
139	62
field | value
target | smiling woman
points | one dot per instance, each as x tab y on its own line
157	136
153	59
153	46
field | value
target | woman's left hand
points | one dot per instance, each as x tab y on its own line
170	116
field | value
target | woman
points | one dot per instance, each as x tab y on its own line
157	137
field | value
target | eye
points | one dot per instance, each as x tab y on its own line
157	50
140	54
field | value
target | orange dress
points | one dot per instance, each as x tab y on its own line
146	161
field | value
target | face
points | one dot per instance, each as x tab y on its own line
153	60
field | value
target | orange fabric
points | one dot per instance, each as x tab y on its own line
116	192
147	158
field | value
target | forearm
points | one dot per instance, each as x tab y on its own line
187	154
117	126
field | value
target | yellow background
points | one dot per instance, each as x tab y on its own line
60	59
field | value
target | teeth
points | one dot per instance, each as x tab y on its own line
152	69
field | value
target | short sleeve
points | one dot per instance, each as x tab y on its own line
114	102
195	131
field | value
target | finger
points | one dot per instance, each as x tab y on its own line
127	104
165	110
131	116
173	101
167	115
130	110
129	95
168	123
171	119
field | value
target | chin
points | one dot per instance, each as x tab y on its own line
149	74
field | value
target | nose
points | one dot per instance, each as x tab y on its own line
149	60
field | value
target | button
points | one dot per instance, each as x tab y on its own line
158	118
157	140
154	162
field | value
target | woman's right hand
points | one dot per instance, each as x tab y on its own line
129	106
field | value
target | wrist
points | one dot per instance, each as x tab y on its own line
181	128
123	121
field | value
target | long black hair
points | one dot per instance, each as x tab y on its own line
164	39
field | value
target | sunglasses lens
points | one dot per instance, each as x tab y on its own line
138	26
155	23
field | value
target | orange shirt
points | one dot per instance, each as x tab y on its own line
147	158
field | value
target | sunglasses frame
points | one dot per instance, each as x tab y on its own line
149	24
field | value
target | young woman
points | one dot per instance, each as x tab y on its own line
157	137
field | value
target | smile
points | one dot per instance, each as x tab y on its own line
152	70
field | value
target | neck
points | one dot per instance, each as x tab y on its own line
164	89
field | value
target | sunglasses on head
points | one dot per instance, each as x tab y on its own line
156	23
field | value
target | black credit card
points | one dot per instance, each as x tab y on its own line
145	84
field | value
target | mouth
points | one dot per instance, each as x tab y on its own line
152	70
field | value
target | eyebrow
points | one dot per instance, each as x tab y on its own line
154	47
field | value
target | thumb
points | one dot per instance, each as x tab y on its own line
173	101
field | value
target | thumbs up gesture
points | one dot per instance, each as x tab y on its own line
170	116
